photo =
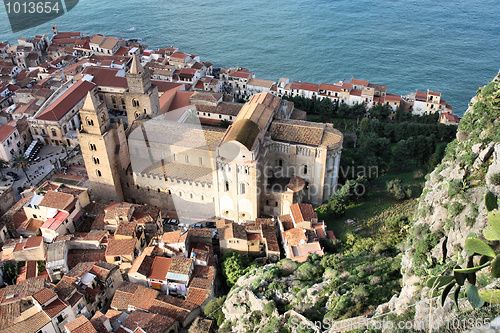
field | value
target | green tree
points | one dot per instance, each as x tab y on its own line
326	108
364	125
380	111
224	123
10	270
64	145
21	162
213	309
234	265
397	189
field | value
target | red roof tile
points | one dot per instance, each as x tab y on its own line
160	268
66	101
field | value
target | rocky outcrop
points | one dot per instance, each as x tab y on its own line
452	203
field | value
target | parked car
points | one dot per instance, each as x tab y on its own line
210	225
20	189
13	175
198	225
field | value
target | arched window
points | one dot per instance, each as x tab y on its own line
243	188
226	186
187	159
90	122
103	118
54	133
95	160
305	169
135	103
92	147
98	173
201	160
280	162
202	197
137	114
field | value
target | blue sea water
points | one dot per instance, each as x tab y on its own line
451	46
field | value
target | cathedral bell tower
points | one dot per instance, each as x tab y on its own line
142	96
102	143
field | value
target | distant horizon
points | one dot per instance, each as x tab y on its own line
452	48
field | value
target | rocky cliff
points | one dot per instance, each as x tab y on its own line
452	205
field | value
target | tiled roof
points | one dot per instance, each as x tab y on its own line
200	232
233	230
32	324
56	200
180	265
174	237
80	325
66	101
304	132
120	247
147	322
9	313
5	131
55	307
65	288
44	295
269	234
160	268
106	77
303	212
126	228
197	296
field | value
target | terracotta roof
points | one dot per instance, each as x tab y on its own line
126	228
55	307
80	325
66	101
160	268
329	87
394	98
360	82
139	321
433	93
269	233
32	324
197	296
175	237
180	265
6	131
57	200
232	230
303	212
106	77
120	247
261	82
44	295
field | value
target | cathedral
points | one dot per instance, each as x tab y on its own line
259	166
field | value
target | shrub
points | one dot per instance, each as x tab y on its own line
397	189
455	187
287	266
380	247
395	223
455	208
308	271
330	261
213	309
269	308
495	179
422	249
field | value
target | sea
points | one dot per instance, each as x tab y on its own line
449	46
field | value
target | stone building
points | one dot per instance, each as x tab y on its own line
263	163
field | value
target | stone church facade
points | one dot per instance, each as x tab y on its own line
259	166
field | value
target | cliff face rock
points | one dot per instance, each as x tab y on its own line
452	203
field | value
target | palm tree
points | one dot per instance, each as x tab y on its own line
65	147
3	165
21	162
